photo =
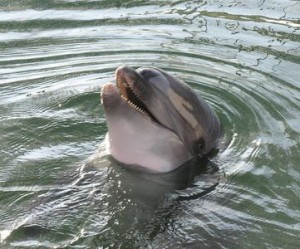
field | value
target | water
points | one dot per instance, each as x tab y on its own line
242	56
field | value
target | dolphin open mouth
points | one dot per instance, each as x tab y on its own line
131	95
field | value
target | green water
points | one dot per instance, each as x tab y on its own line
242	56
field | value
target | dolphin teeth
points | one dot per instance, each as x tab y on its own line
129	94
135	106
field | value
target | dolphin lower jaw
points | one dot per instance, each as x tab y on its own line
135	139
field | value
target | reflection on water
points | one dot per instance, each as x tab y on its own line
241	56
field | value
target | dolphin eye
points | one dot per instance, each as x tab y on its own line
199	146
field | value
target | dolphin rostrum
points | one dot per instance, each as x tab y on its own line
156	121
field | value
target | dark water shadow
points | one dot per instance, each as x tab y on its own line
143	204
136	205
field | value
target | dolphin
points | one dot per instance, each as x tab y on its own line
155	121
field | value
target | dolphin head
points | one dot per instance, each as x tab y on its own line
156	121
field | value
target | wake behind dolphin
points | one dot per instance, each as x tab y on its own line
156	121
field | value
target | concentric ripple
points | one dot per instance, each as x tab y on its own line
241	56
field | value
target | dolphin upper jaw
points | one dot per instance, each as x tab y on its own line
132	90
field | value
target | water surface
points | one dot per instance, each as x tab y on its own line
242	56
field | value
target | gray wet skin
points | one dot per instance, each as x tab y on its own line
156	121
